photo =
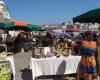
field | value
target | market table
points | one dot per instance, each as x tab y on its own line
54	66
12	65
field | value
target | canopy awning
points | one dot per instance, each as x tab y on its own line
34	27
90	16
19	23
6	25
73	30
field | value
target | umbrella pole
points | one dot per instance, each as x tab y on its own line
4	54
5	43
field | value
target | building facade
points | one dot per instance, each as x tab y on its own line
4	12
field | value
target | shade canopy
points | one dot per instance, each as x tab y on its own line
73	30
34	27
90	16
19	25
25	26
6	25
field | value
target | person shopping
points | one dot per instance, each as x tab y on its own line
87	66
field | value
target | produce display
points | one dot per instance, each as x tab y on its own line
5	71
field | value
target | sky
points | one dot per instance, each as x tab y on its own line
49	11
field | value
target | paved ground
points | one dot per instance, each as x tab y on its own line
22	62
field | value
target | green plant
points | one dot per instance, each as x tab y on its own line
5	72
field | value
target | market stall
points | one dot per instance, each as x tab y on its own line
54	66
10	61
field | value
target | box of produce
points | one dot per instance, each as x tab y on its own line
5	70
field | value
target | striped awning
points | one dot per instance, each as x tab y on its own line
6	25
19	23
34	27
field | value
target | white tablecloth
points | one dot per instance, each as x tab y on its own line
54	66
11	60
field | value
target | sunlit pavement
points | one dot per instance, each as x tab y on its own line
22	62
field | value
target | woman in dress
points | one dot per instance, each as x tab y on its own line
87	66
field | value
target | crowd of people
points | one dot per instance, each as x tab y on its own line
16	43
86	44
